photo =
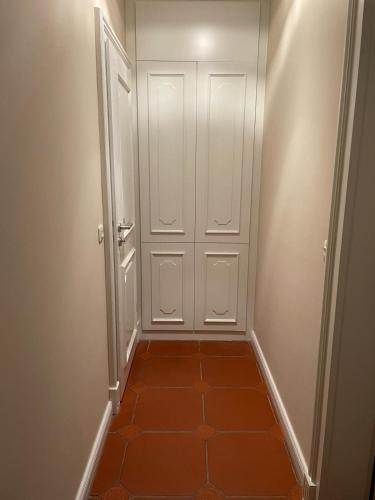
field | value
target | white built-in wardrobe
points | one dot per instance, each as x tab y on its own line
196	122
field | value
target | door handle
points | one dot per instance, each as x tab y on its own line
123	226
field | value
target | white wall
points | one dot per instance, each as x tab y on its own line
304	73
53	319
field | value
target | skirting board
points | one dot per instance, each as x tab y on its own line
241	337
92	463
292	443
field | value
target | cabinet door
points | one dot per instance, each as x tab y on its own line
220	286
225	135
168	286
167	134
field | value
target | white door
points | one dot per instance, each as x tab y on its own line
220	286
225	135
123	195
168	286
167	135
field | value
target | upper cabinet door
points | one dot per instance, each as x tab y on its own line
226	114
167	136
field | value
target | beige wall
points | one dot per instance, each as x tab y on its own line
53	325
304	71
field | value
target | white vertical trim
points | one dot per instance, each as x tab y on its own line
93	460
107	196
339	193
257	159
294	448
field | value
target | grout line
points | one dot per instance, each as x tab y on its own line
207	471
134	410
123	463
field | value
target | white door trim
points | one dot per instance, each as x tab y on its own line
103	32
257	160
346	120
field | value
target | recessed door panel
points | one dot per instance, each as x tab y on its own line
226	110
167	93
168	286
221	286
122	196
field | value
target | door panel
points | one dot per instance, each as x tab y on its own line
168	286
123	196
128	324
221	286
167	116
226	113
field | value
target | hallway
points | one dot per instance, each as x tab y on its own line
195	422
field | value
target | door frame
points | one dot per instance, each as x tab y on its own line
103	32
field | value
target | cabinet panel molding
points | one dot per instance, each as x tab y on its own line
167	143
168	286
225	135
221	286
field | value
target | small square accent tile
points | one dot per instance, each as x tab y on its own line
236	372
171	372
130	432
202	387
210	494
205	431
170	348
116	493
164	464
138	388
234	348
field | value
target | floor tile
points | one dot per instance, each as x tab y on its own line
249	464
296	493
142	347
126	411
108	471
116	493
171	372
167	348
205	431
238	409
226	372
259	498
162	498
226	348
130	432
164	464
169	409
136	371
210	494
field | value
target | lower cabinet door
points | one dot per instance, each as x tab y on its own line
220	286
168	286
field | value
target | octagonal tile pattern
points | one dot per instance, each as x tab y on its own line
196	423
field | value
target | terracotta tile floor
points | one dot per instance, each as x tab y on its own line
195	423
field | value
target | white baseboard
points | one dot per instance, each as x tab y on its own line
292	443
92	463
195	336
